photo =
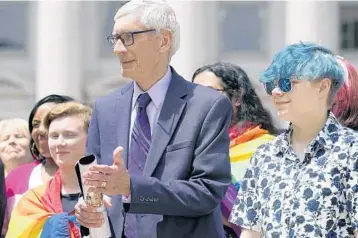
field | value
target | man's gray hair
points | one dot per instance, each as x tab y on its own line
154	14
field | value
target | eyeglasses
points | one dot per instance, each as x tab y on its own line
127	38
284	84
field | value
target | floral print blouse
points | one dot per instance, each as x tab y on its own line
282	196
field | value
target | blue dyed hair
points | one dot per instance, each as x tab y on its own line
305	61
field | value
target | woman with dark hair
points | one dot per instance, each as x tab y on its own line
251	124
39	148
345	103
43	168
233	81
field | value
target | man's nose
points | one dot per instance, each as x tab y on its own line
119	47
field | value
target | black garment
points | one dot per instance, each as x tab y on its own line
229	232
69	201
2	195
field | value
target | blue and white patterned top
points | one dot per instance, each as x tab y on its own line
282	196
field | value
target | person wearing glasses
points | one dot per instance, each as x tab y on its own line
304	182
161	141
251	125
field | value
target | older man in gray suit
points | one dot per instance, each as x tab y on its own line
162	141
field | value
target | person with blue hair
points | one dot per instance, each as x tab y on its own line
304	183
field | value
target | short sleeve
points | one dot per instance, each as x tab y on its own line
352	186
245	212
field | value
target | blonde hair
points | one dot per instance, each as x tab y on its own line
68	109
15	123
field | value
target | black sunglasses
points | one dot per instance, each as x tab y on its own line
284	84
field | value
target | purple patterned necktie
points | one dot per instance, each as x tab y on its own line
139	148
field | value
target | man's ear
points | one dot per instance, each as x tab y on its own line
166	40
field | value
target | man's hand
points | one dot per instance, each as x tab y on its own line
110	180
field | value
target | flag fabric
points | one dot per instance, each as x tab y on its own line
39	213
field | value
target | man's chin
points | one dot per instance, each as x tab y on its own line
127	73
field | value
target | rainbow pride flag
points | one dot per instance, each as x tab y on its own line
241	150
240	153
39	214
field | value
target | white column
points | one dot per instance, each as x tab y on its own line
329	24
275	28
58	53
316	21
198	36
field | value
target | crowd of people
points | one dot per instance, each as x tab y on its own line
189	159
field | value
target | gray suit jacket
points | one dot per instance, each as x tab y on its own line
187	170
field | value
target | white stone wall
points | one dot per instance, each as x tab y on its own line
64	54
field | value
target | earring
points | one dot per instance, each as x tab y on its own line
33	148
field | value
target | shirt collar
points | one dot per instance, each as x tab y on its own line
156	92
325	138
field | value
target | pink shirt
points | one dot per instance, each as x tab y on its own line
17	183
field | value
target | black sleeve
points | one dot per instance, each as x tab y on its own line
2	195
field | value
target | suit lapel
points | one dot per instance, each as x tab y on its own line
123	115
171	111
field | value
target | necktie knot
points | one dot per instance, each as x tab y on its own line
143	100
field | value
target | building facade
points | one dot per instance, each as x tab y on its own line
60	46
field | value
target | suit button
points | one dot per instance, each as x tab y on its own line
141	198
